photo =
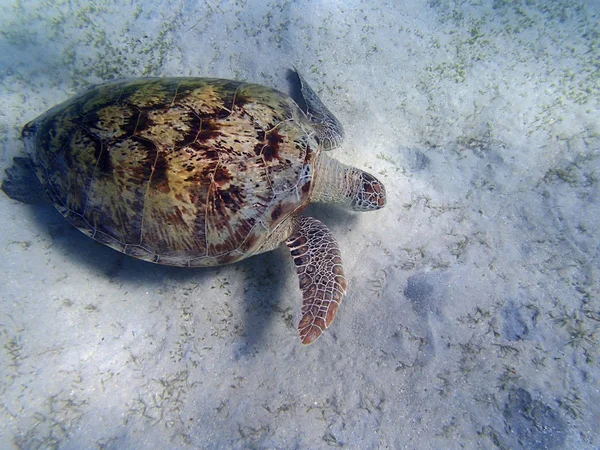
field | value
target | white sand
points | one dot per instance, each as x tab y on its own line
473	311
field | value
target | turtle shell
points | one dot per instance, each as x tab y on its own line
177	171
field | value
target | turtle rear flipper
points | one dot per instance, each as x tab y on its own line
21	183
330	132
319	265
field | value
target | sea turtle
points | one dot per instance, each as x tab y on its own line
201	172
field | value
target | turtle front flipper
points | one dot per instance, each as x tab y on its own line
330	132
319	265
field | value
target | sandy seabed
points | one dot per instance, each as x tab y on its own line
473	314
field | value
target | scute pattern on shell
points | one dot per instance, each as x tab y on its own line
179	171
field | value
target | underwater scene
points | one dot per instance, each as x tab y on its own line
241	224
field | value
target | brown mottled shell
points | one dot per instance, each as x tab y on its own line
178	171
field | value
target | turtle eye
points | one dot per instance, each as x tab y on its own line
371	195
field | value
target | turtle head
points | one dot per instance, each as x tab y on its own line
335	182
368	194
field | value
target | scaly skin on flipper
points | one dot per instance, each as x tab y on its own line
318	262
329	130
